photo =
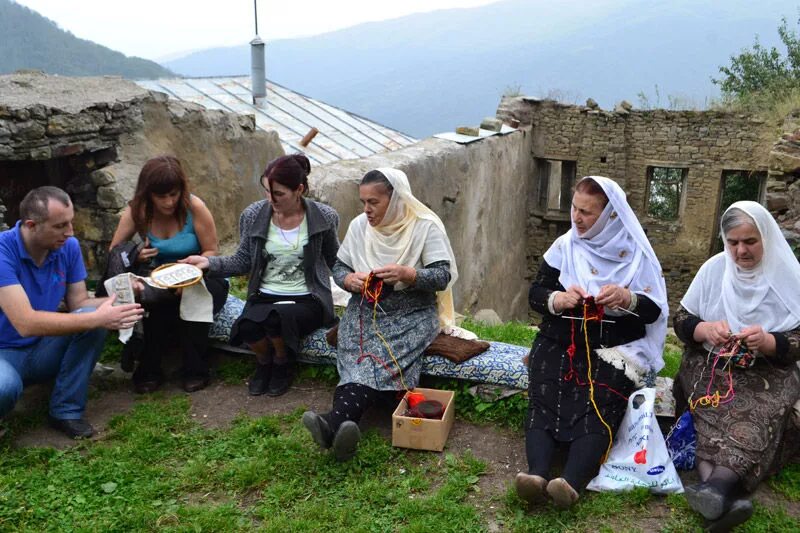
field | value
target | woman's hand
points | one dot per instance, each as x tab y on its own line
570	299
354	282
614	297
757	340
715	333
200	261
394	273
146	253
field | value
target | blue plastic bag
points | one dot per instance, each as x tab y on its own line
681	442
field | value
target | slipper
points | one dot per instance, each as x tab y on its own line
531	488
345	442
739	513
564	496
319	429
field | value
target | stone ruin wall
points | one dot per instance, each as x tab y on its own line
92	135
621	145
783	185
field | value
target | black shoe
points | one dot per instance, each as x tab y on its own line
130	353
259	381
281	379
195	383
706	500
146	386
739	513
345	443
319	429
77	428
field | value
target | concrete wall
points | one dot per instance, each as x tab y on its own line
621	145
480	192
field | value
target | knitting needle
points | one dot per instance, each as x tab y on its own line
626	311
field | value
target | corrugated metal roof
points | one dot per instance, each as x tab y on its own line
342	135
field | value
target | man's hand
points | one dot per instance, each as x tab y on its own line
120	316
570	299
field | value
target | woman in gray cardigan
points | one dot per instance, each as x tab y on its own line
288	244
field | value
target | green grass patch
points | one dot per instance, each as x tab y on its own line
673	354
513	332
157	469
238	286
787	482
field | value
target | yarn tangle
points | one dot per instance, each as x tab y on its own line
737	355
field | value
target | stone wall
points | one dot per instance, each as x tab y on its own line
783	186
92	135
480	192
622	145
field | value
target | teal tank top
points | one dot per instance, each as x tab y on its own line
178	246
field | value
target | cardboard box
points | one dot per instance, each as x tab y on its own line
424	433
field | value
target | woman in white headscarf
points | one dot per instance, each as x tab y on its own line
402	243
605	256
750	293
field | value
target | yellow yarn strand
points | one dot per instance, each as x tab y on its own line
388	348
591	389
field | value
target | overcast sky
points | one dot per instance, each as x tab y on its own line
155	29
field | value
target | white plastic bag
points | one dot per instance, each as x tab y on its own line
639	456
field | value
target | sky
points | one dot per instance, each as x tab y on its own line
162	29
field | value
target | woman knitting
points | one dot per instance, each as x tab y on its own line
740	321
397	261
604	307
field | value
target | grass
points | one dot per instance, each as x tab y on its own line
157	469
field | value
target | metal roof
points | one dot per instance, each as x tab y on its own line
342	135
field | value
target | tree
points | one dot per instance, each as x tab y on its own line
761	69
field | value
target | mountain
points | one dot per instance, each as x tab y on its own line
31	41
431	72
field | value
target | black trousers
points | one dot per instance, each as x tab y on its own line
583	457
163	324
351	401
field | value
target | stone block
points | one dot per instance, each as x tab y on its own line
108	198
102	177
59	125
488	317
68	149
777	202
28	130
43	152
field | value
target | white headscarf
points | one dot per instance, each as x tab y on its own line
410	234
767	295
616	251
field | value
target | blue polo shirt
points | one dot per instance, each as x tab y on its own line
45	286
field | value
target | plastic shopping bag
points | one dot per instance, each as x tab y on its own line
639	456
681	442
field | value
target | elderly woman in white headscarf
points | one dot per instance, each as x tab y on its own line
747	294
400	242
584	364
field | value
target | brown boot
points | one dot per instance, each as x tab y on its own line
531	488
562	493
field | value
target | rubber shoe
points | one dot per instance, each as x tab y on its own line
345	443
73	428
259	381
319	429
562	493
705	499
739	513
531	488
281	379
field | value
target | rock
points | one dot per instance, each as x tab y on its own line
777	202
491	124
620	109
102	177
467	130
592	104
28	131
109	198
488	317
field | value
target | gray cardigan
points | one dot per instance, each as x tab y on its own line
319	255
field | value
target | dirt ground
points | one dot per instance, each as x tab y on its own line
503	450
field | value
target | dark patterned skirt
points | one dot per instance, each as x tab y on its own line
753	435
561	406
298	317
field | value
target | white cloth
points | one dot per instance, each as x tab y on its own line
616	251
767	295
410	234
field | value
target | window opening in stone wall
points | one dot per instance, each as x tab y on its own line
555	179
665	187
19	177
737	185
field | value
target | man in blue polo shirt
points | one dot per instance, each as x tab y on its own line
41	266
